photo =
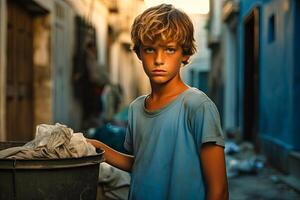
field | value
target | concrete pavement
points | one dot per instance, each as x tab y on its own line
265	185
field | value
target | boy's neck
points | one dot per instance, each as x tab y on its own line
163	94
167	90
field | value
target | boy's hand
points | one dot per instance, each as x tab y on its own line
113	157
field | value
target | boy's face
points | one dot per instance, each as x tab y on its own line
162	60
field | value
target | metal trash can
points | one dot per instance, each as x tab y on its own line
70	178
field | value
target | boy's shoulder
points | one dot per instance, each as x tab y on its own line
195	98
192	99
138	101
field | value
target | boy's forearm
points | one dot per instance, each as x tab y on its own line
221	194
218	191
113	157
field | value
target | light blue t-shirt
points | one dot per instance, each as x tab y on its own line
166	145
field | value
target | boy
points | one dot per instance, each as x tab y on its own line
174	132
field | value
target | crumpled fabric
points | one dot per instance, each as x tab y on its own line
52	141
114	183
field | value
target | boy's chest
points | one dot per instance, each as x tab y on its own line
153	105
161	130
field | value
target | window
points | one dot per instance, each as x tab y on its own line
271	28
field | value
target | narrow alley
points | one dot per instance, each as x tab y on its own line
72	68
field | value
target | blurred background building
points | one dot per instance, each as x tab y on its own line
254	77
45	60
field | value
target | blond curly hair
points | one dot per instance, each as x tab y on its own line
163	22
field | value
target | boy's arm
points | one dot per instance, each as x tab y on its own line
113	157
214	171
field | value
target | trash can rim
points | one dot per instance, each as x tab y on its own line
53	163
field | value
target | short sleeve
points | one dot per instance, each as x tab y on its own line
128	144
206	126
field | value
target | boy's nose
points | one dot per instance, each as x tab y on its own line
158	58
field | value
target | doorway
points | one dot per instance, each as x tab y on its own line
251	75
19	73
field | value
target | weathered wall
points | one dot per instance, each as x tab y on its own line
126	69
278	77
277	65
42	70
2	68
296	75
200	61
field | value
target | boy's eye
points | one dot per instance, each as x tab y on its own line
149	50
170	50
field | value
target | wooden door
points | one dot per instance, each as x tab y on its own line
19	91
251	75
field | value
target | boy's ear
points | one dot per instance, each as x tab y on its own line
185	58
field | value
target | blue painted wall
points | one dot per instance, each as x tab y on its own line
296	73
277	73
279	79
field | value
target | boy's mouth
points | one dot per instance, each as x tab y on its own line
158	71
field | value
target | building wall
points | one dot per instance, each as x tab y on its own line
216	74
48	39
96	13
55	101
62	31
277	59
215	22
230	50
295	6
200	62
278	77
2	68
125	68
42	70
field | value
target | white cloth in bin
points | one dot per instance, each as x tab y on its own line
114	183
52	141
